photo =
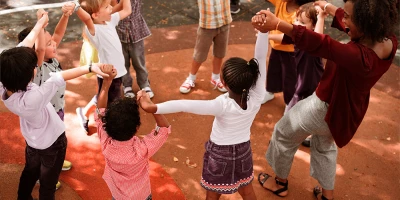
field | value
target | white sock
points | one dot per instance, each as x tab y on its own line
214	76
127	89
192	77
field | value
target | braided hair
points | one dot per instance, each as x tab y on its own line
240	76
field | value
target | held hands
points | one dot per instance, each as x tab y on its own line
145	103
96	68
320	4
264	21
43	18
110	70
68	8
321	13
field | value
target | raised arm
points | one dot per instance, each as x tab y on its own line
326	7
82	15
103	95
30	39
260	53
319	26
79	71
126	9
61	27
116	6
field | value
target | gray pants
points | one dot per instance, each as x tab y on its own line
135	52
304	119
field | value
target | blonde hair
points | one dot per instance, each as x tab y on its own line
91	6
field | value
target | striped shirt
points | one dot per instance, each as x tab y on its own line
214	13
133	28
127	162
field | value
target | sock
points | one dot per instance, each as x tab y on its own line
126	89
214	76
192	77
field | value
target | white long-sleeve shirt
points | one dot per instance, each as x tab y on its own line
40	124
231	124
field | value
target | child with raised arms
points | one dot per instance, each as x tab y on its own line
228	163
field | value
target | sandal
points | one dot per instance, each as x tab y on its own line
317	191
276	192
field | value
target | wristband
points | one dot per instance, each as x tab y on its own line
77	6
326	5
277	25
90	66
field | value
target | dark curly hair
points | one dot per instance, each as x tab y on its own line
376	19
240	75
122	119
301	2
17	67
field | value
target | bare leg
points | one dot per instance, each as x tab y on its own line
195	67
247	192
217	62
212	195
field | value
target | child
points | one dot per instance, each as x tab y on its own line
127	156
213	29
281	74
132	31
50	64
309	68
100	29
42	128
88	53
228	163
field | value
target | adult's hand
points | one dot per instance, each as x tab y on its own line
265	21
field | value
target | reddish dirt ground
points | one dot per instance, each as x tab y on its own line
367	168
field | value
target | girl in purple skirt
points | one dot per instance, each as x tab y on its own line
228	162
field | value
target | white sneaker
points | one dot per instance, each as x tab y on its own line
186	86
218	84
268	97
149	91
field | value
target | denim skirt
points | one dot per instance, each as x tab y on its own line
226	168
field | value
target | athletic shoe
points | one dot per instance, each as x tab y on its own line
82	121
148	91
187	86
218	84
129	94
58	185
268	96
66	165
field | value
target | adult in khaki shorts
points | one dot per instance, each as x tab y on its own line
213	29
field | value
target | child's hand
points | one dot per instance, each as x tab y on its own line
145	103
40	12
321	13
44	20
320	4
68	8
265	21
110	70
96	69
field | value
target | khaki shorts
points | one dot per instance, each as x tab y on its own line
205	37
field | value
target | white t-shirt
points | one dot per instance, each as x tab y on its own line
108	45
40	124
231	124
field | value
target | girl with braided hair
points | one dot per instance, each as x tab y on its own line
334	112
228	163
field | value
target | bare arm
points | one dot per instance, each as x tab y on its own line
126	9
329	9
116	6
103	96
82	14
319	26
276	37
60	29
30	39
40	47
161	120
79	71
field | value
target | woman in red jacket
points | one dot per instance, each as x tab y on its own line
334	112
